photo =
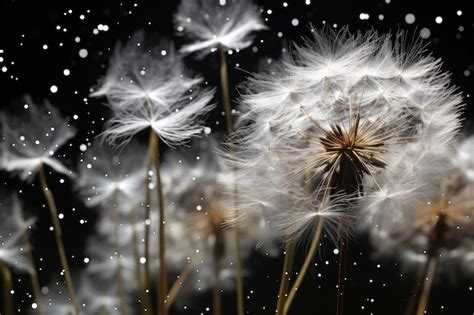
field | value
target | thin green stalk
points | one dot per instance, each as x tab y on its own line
35	286
230	129
309	258
162	280
58	238
8	307
121	285
285	275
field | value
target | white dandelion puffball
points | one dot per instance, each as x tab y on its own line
105	172
347	120
440	225
148	89
210	24
32	138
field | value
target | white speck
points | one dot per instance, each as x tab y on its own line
89	166
198	207
335	251
75	117
425	33
410	18
61	180
439	20
77	39
86	260
142	260
61	216
66	72
53	88
34	306
307	2
95	31
467	73
82	17
1	59
285	4
222	2
25	106
45	46
459	12
381	17
207	130
364	16
83	53
83	147
269	11
163	52
295	22
4	69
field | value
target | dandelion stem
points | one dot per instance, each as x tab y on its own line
285	275
58	237
309	258
7	288
173	292
216	289
121	285
230	129
35	286
162	280
136	256
343	246
146	265
427	284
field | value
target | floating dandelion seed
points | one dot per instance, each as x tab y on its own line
434	229
210	25
149	90
30	143
32	139
353	108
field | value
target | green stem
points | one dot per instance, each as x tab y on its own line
428	279
285	276
173	293
309	258
58	237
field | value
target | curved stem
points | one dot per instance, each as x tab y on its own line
8	307
57	234
35	286
173	292
285	276
309	258
343	246
162	280
121	285
428	279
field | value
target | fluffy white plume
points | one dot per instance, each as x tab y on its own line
209	24
32	138
150	88
347	121
104	172
440	224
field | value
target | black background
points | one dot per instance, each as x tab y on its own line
374	286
